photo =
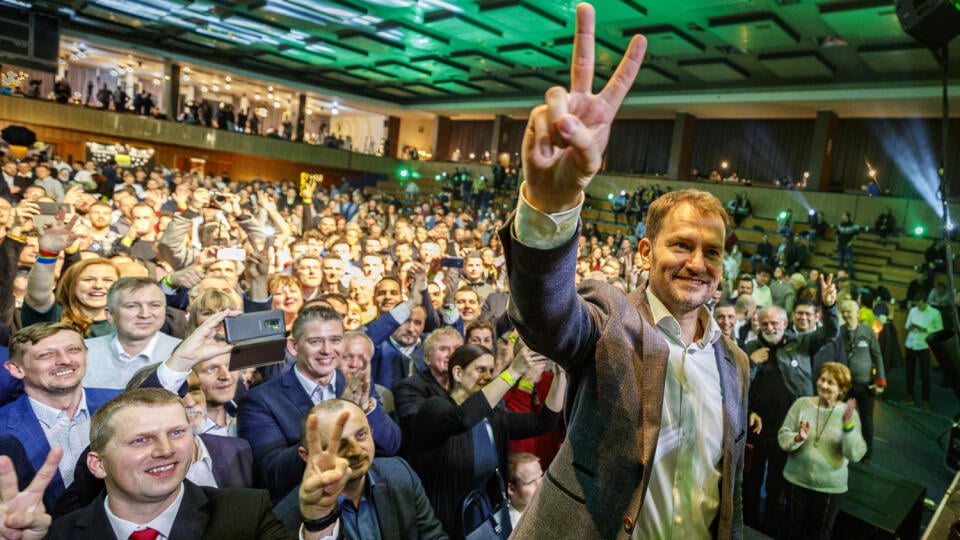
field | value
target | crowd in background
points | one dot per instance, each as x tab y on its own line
399	307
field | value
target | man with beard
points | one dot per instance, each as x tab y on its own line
401	354
269	416
781	370
100	217
379	498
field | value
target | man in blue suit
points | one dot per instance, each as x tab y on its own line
55	410
270	414
382	497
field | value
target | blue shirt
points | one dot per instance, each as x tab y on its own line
360	522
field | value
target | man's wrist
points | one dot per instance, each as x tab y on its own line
321	523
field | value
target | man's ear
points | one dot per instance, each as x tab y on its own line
302	452
95	464
109	314
644	247
292	346
15	370
456	373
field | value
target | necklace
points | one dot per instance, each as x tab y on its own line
821	427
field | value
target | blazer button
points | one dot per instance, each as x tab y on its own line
628	524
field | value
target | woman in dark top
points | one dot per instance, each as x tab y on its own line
460	440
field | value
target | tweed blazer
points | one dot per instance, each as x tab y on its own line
617	362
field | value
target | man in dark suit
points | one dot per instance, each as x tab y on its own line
657	400
218	462
142	446
271	414
385	487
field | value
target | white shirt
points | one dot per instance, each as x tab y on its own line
929	319
163	523
683	496
71	434
201	472
316	392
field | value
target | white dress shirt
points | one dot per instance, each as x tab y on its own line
163	523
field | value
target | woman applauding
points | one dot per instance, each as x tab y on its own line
821	434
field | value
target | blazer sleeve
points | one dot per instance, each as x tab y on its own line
545	307
277	462
386	432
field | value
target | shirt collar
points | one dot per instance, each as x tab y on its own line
163	523
48	415
203	455
147	351
309	386
670	326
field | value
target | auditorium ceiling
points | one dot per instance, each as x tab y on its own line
463	57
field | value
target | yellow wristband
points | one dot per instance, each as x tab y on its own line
507	378
526	385
127	241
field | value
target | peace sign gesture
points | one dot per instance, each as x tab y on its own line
828	291
22	516
326	473
565	138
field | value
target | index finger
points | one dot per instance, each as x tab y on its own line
581	68
622	80
333	441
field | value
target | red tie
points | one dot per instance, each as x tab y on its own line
145	534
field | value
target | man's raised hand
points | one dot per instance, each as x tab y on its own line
565	138
22	516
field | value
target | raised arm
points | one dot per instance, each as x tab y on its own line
53	239
565	137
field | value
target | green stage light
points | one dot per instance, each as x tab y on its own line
403	173
918	230
609	196
783	214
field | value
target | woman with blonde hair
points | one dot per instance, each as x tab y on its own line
821	435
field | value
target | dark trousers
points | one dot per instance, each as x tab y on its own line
865	401
766	456
811	514
913	358
845	253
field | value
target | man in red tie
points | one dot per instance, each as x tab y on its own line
141	445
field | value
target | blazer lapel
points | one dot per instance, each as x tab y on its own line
92	521
384	504
295	392
193	516
650	374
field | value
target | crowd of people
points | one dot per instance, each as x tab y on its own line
423	389
397	315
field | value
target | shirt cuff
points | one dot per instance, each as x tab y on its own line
171	380
539	230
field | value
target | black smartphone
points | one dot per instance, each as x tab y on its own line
256	325
451	262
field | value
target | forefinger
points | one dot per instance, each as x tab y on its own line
581	69
333	440
626	72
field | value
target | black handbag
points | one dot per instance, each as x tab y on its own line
482	521
479	519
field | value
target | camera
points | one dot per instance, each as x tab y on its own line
218	198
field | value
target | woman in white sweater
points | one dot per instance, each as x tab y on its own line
821	435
